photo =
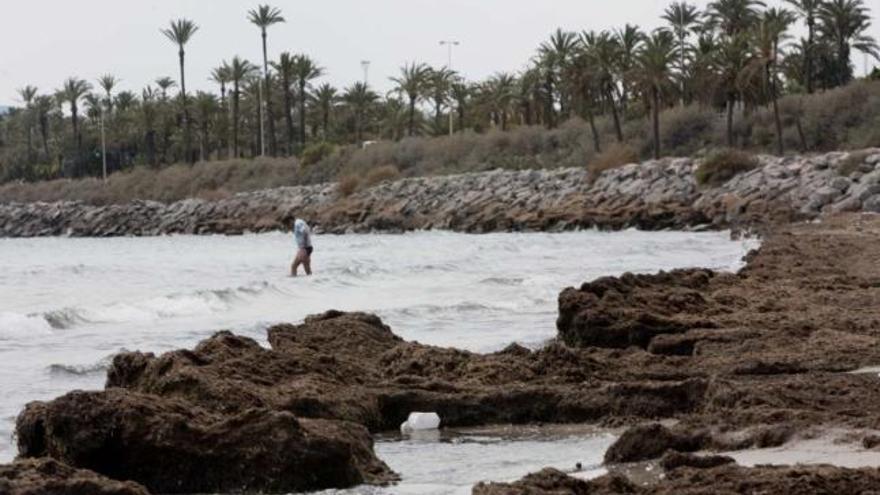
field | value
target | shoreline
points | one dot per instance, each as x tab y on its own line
654	195
727	362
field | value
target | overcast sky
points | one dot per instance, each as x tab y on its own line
88	38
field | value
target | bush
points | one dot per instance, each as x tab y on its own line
853	162
617	155
347	185
314	153
722	165
381	174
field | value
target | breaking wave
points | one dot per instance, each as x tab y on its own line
196	303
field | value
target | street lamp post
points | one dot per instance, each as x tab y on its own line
103	146
449	44
365	64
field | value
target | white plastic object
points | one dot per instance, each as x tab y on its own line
420	421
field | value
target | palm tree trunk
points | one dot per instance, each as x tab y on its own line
461	115
288	113
325	120
187	138
44	133
412	115
730	104
780	146
655	103
302	113
235	110
615	116
592	119
224	136
270	127
74	118
808	57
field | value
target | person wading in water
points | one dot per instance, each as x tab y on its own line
303	236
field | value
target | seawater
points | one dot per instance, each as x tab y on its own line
67	305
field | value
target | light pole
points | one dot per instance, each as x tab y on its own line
262	122
365	65
103	146
449	44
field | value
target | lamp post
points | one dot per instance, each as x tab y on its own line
103	147
449	44
365	65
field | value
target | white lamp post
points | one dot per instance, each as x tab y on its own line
449	44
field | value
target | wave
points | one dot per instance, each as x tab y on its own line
502	281
200	302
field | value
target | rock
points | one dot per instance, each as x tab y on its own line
633	309
651	195
47	476
555	482
645	442
726	479
872	204
673	460
171	447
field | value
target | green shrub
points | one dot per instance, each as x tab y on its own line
316	152
722	165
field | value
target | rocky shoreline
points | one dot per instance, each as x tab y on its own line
653	195
759	358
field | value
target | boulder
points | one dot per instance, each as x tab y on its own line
45	476
650	441
172	447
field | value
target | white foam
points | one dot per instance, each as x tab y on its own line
15	325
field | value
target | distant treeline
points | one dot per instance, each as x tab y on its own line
735	62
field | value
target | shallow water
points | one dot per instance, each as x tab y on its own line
68	305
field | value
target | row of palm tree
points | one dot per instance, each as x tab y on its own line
736	56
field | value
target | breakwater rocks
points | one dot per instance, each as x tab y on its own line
652	195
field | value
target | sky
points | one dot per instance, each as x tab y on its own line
89	38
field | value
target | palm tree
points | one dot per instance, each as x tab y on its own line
604	51
843	23
628	39
27	94
656	59
555	54
44	105
767	37
165	83
731	59
148	113
682	16
180	32
501	89
412	82
326	97
440	82
220	75
359	97
585	81
460	93
808	10
72	91
239	71
206	107
263	17
733	17
285	67
107	82
305	70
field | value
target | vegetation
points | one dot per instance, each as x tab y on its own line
731	75
722	165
